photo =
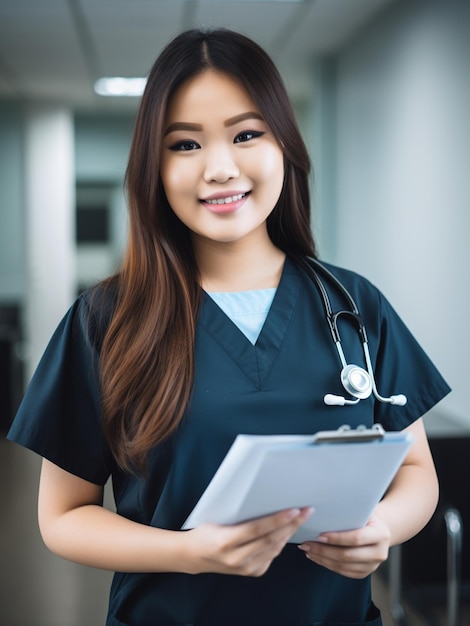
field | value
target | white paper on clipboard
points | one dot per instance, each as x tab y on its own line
342	478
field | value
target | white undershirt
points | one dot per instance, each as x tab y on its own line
247	309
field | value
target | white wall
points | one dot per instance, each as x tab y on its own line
402	178
50	224
102	147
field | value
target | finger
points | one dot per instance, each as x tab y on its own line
351	565
289	520
270	538
285	531
229	538
345	538
370	534
349	561
253	556
232	536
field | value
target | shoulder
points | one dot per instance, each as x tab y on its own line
94	309
346	289
349	277
337	278
101	299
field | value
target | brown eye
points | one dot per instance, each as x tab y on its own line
185	146
247	135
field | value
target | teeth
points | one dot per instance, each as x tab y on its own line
226	200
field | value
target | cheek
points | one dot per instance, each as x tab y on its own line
270	168
175	178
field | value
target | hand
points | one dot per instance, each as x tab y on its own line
246	549
353	553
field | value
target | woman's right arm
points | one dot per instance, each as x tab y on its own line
75	526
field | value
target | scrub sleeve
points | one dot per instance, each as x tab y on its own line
60	415
275	386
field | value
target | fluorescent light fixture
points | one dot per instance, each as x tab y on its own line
268	0
258	0
298	1
118	86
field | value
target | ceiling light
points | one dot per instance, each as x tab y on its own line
118	86
271	0
260	0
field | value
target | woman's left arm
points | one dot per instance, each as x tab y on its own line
405	509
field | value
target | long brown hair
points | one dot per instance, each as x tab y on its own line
147	361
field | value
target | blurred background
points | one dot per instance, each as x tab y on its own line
381	90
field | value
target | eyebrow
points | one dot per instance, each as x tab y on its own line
249	115
182	126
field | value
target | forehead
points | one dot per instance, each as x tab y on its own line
209	94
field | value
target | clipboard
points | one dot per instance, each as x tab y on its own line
342	474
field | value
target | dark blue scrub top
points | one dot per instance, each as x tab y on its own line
276	386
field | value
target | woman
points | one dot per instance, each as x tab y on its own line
213	328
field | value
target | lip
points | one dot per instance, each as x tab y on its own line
234	204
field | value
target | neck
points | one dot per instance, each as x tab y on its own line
238	267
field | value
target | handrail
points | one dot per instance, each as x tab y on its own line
397	608
454	530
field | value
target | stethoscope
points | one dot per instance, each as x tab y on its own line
358	382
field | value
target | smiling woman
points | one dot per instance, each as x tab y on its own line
222	171
212	328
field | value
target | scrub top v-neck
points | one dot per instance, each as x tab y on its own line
275	386
255	361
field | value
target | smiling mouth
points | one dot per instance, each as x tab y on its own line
227	200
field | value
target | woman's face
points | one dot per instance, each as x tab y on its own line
222	168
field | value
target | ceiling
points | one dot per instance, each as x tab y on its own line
54	50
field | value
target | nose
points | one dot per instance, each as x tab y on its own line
220	165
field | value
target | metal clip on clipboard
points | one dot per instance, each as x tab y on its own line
345	434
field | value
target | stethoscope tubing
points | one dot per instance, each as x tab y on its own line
365	377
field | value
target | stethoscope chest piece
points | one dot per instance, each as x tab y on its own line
356	381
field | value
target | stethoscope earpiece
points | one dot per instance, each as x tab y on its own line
399	399
333	400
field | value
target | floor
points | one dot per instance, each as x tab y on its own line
39	589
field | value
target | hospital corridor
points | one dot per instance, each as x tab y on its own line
380	92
